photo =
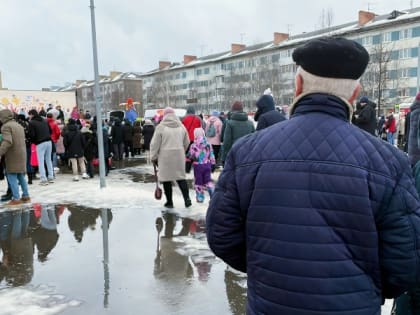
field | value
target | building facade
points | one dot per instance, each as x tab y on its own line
244	72
114	90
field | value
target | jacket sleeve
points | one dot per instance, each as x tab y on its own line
57	132
155	145
7	140
227	140
398	225
365	116
225	226
261	123
186	140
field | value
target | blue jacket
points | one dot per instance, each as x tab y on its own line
323	217
267	114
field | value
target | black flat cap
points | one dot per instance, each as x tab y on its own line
332	57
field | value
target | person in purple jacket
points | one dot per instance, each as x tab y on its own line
323	217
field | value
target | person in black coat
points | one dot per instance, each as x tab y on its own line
90	148
117	135
147	132
128	138
74	144
365	117
267	114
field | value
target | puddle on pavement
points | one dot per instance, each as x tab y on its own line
157	261
142	176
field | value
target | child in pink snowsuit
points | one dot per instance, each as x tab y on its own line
202	156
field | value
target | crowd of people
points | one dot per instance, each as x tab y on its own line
40	142
322	214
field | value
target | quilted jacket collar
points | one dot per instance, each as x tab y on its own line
324	103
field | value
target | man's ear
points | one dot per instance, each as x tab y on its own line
298	85
355	93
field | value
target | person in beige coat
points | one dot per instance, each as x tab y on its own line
13	150
167	150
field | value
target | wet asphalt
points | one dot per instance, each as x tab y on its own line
125	261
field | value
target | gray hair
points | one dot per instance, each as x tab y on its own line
343	88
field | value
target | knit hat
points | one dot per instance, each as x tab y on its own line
237	106
215	113
332	57
364	99
168	110
190	110
266	101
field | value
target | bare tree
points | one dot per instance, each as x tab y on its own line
162	91
375	79
237	83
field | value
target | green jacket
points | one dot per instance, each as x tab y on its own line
238	126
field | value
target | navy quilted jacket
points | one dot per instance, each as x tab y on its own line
323	217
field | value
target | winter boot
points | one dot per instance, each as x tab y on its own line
167	188
30	177
7	196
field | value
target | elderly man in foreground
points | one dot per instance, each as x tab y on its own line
322	216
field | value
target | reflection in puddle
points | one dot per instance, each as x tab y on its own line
30	236
30	230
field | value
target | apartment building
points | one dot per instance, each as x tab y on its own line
114	89
244	72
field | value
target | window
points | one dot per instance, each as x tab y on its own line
275	58
250	63
403	73
405	34
394	55
376	39
198	72
412	72
263	60
404	92
391	75
386	37
404	53
395	36
285	53
415	32
178	75
414	52
184	75
366	41
206	70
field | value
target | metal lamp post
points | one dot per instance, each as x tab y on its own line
99	131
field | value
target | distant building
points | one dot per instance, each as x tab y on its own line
244	72
114	90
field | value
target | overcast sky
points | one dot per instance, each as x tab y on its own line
48	42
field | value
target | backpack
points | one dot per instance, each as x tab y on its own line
211	131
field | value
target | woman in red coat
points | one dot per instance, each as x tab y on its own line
190	122
391	128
